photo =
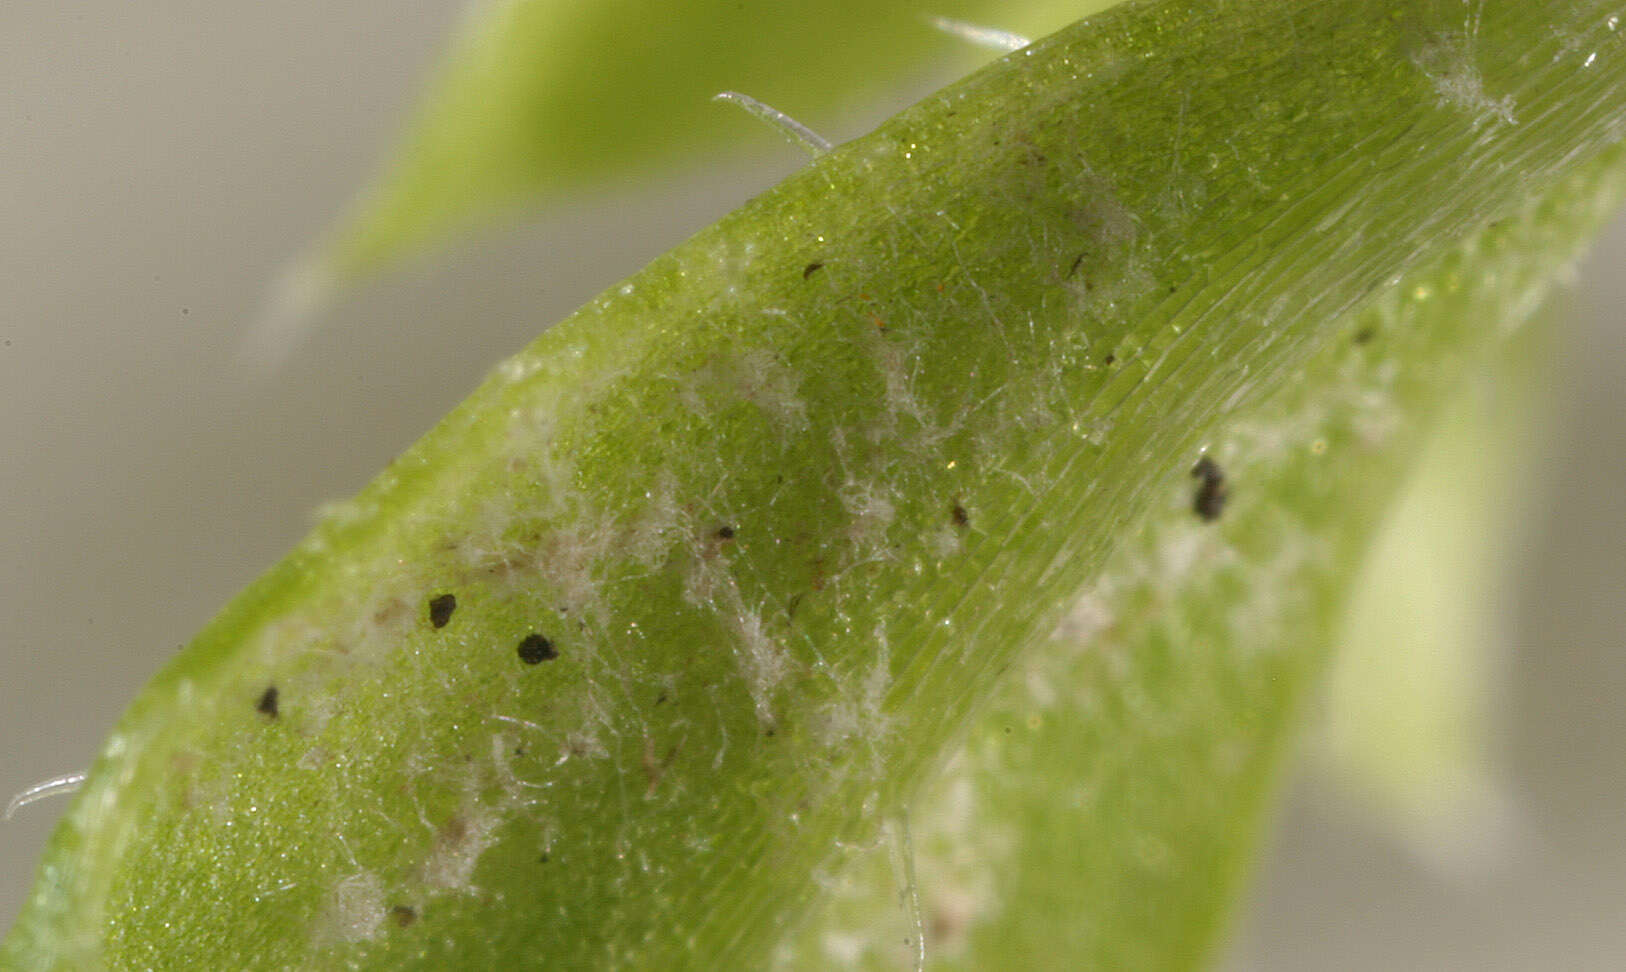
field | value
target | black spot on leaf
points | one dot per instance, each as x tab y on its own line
441	607
267	705
961	518
403	915
535	649
812	268
1209	502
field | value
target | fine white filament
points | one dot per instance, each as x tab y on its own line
815	144
1000	40
56	786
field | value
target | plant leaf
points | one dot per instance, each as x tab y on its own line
1411	705
538	97
1106	804
739	548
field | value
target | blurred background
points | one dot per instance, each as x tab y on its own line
162	163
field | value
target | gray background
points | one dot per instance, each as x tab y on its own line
160	162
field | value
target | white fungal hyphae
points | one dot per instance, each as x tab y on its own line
871	508
649	536
769	384
459	842
856	713
896	364
763	660
944	542
356	908
1450	66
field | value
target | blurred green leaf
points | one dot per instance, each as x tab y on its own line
538	97
1410	721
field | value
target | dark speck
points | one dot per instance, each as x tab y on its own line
1110	359
403	915
725	532
543	859
535	649
1209	502
811	269
1365	334
268	702
961	518
441	607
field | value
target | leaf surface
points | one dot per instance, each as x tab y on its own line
740	548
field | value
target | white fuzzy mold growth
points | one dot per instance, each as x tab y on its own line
355	908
